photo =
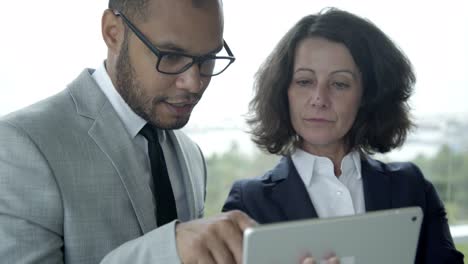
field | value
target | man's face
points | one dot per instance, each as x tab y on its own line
164	100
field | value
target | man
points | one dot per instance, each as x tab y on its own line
80	179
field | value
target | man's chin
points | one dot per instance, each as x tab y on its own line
173	124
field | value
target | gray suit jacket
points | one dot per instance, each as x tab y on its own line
71	189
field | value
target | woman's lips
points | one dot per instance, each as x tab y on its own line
318	120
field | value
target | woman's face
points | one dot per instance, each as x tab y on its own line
324	94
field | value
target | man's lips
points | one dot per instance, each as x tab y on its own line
181	104
180	108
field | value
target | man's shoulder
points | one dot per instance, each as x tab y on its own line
40	112
56	110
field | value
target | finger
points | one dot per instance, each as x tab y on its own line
241	219
333	260
206	258
232	236
220	251
308	260
230	230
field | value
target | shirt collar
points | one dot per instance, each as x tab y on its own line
304	163
308	164
133	123
350	163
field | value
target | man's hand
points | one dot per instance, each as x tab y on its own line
217	239
330	260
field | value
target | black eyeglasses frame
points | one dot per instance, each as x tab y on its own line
160	54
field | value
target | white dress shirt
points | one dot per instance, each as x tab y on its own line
331	195
133	124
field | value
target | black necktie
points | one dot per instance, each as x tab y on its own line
166	210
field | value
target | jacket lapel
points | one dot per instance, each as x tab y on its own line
288	191
109	134
193	200
376	184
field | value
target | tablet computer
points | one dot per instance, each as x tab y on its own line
387	236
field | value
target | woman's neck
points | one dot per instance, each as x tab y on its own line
334	152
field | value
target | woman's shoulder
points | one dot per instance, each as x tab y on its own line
276	174
397	170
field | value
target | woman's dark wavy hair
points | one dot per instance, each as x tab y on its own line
383	120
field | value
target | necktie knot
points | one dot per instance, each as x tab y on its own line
149	132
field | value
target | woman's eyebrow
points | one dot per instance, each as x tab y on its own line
355	76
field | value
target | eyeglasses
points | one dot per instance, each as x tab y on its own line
176	62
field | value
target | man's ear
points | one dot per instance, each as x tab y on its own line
113	31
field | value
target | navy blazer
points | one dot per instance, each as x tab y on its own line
280	195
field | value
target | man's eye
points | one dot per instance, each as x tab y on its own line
173	57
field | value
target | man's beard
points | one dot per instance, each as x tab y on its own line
134	95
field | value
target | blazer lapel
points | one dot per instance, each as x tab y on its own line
109	134
182	158
377	186
289	193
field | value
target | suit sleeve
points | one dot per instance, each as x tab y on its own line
436	240
157	246
31	213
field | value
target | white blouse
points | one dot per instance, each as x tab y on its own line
332	196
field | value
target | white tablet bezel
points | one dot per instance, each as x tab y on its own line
387	236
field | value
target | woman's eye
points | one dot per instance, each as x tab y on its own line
340	85
303	82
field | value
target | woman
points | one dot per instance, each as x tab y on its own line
334	91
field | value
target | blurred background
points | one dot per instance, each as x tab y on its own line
46	44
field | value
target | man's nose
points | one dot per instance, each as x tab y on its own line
191	80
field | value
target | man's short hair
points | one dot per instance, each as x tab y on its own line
138	9
131	8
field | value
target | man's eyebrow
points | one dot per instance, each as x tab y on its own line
170	46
